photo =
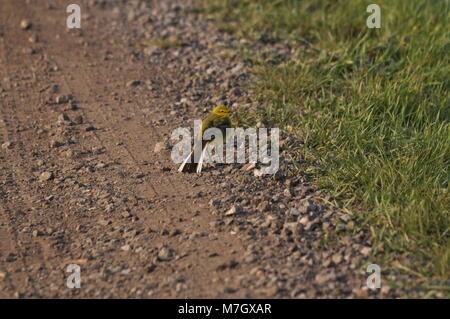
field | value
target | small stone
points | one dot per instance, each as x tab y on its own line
29	51
7	145
126	214
384	290
248	166
126	271
90	128
322	278
228	265
214	203
179	287
78	119
292	227
126	247
366	251
175	232
165	254
56	144
150	49
134	83
46	176
151	268
61	99
33	39
68	153
250	258
25	24
100	165
229	290
263	206
235	209
103	222
236	91
63	117
257	173
336	258
304	220
159	147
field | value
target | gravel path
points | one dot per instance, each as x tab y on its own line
86	175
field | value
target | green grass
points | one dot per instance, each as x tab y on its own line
372	106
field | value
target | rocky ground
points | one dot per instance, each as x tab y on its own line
86	175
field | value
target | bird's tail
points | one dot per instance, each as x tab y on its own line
188	165
202	157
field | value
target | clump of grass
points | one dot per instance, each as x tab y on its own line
163	43
372	106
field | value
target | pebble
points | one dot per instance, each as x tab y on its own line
46	176
33	39
134	83
126	214
126	248
366	251
324	277
336	258
90	128
61	99
248	166
229	290
257	172
263	206
55	144
25	24
103	222
214	203
36	233
68	153
165	254
235	209
304	220
78	119
63	117
7	145
160	146
293	227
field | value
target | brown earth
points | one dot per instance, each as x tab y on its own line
86	175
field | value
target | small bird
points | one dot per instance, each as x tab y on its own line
218	118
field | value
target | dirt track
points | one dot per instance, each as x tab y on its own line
81	181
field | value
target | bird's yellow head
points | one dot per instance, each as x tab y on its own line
221	111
